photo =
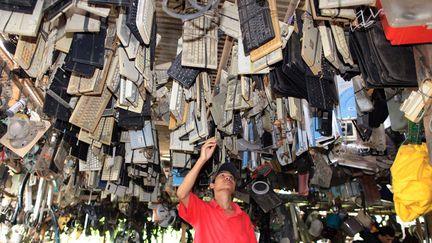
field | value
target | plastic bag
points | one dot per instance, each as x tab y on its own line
412	182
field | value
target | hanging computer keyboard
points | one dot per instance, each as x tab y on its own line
55	7
89	109
23	6
321	92
131	16
200	43
255	23
153	42
89	48
185	76
87	52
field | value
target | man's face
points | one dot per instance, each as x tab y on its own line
224	181
385	238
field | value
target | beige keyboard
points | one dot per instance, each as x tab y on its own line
103	132
234	99
80	84
22	24
113	76
144	20
200	43
84	136
83	23
160	71
25	50
94	160
89	109
111	173
311	45
142	62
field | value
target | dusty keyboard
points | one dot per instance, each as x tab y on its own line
89	109
104	130
200	43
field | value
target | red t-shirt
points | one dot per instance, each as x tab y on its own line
213	225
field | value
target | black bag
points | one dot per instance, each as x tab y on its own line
380	112
286	86
288	78
303	163
382	64
339	176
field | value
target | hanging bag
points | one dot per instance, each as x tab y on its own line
412	182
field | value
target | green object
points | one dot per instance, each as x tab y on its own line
416	133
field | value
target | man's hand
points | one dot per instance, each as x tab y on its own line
207	150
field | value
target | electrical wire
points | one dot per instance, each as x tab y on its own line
185	17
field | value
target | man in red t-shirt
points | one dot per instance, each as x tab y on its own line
220	220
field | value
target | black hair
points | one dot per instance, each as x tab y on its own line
386	230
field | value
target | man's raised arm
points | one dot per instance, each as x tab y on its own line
185	188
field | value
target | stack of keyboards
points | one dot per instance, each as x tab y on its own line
94	61
312	82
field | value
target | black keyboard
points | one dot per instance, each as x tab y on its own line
20	6
54	7
89	48
153	38
255	23
184	75
131	15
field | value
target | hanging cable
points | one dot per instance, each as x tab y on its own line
185	17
